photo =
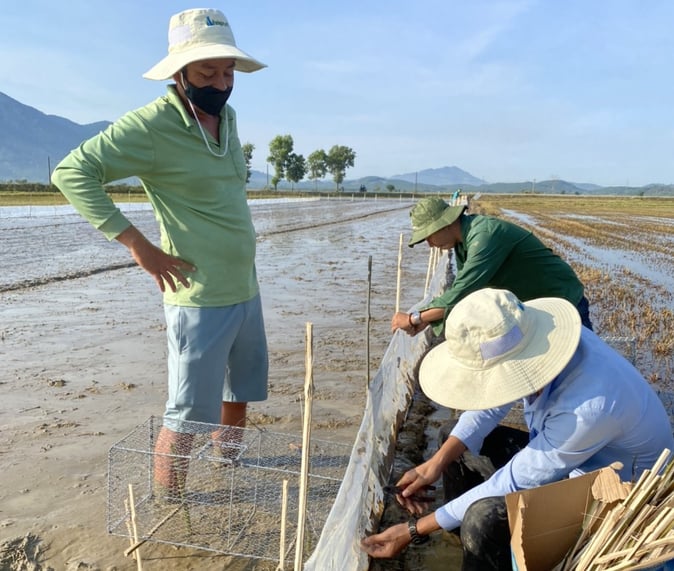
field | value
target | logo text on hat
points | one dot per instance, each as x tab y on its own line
211	22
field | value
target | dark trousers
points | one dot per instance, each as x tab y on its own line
484	532
583	308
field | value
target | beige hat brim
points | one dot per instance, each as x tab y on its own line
555	338
173	63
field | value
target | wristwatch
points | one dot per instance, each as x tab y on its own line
415	318
416	538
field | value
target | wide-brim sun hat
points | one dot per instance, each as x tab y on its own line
498	350
429	215
196	35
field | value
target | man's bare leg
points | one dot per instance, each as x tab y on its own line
233	414
170	464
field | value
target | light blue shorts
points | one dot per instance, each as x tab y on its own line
215	354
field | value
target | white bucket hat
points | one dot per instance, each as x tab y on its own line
196	35
499	350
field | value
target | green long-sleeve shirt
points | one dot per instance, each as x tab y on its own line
199	200
499	254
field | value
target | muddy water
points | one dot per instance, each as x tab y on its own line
312	265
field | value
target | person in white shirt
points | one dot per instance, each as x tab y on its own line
585	406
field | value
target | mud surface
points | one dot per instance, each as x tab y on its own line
83	352
82	345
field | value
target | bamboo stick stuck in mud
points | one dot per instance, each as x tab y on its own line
284	515
367	323
134	527
128	526
400	265
306	443
428	271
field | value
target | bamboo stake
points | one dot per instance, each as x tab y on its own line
650	563
599	538
431	255
632	532
367	323
128	525
661	525
666	487
152	531
627	536
661	543
607	535
597	512
400	260
284	515
132	505
306	438
637	499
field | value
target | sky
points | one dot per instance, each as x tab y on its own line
507	90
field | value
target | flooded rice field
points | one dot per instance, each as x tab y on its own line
623	250
83	352
624	257
82	346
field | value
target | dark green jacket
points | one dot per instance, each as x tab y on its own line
499	254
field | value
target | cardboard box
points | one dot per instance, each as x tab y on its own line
545	522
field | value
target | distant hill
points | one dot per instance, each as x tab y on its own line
440	177
32	142
258	180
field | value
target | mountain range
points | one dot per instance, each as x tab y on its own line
32	143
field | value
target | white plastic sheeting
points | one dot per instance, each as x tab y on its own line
360	499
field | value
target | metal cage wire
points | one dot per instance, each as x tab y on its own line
232	498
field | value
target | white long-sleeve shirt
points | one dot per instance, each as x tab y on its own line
599	410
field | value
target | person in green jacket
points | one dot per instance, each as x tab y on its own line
489	252
185	150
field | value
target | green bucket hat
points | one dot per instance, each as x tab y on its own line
430	215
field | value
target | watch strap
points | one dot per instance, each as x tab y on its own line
414	534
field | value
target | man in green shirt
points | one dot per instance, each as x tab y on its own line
185	150
489	252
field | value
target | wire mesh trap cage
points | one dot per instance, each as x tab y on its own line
231	494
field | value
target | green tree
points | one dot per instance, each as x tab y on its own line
280	148
317	165
296	168
248	149
390	187
339	159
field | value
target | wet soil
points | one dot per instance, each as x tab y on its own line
82	348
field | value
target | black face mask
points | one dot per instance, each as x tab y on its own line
209	99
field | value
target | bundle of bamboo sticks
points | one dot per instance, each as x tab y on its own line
635	533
